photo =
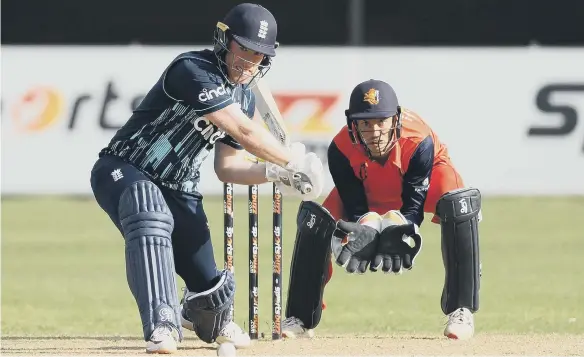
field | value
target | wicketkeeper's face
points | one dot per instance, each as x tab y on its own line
379	135
242	64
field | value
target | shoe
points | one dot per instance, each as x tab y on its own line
460	325
293	328
163	340
234	334
230	333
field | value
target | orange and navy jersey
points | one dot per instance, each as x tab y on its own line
365	185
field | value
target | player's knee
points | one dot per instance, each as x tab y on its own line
143	212
459	205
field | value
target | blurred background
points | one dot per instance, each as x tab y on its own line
501	82
302	23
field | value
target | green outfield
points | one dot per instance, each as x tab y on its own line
63	272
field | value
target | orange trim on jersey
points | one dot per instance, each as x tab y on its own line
414	130
383	183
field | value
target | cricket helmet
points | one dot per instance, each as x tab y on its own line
250	25
373	99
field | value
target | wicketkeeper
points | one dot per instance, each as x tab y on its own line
389	167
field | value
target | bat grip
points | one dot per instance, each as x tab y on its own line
306	188
303	186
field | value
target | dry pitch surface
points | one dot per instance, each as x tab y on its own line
425	345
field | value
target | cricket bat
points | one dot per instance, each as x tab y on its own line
266	105
271	116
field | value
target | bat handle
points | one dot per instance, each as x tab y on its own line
306	188
301	185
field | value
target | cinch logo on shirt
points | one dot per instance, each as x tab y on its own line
206	94
210	132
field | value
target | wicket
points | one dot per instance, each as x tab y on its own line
253	251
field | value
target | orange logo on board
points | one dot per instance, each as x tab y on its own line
316	120
37	109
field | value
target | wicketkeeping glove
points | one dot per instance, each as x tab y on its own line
354	246
394	253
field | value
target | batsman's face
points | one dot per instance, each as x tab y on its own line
243	64
377	134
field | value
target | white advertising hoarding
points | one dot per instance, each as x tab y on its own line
61	105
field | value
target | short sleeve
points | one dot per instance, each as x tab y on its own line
198	83
228	140
248	108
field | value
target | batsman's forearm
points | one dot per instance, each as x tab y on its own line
250	134
259	142
244	173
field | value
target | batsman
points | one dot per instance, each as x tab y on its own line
147	178
389	168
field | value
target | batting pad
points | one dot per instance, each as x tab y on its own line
209	310
458	211
147	225
309	268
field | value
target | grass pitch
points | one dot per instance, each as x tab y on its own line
63	272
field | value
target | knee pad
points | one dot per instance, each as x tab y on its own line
147	225
209	311
309	269
459	214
